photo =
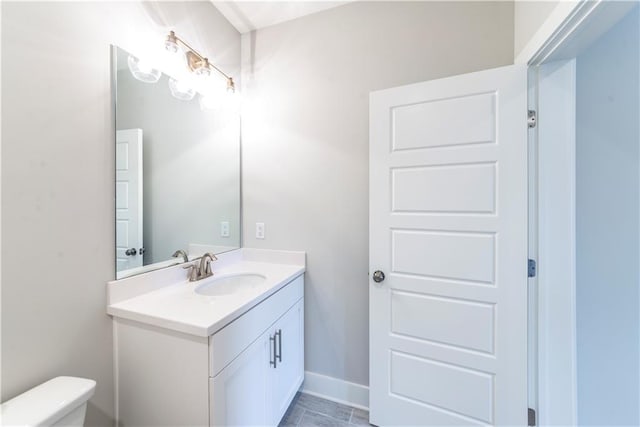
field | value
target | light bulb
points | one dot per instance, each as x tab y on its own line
202	75
173	59
203	71
142	70
232	101
216	97
171	46
209	101
144	66
181	90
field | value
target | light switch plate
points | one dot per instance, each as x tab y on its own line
259	230
224	229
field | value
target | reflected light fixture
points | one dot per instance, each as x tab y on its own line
143	71
181	90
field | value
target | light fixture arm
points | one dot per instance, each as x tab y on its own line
195	59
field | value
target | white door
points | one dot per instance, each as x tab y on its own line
448	228
128	199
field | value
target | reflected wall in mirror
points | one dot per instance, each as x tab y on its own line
177	174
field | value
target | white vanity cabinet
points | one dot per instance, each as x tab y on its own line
257	387
246	373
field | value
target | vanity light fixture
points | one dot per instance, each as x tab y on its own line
189	72
196	62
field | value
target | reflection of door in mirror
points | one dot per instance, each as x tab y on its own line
129	250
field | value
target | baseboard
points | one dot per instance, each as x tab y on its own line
337	390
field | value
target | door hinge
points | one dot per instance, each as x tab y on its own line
532	118
531	416
532	268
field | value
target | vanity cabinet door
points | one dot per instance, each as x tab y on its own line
240	393
288	374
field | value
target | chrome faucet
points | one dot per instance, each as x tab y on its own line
181	253
205	265
203	270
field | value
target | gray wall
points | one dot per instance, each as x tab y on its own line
528	18
58	174
191	170
608	235
305	138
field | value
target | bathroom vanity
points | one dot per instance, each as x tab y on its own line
226	350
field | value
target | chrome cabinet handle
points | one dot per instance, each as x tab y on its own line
279	335
378	276
275	356
130	252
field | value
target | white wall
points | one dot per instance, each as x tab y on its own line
608	227
305	138
58	178
191	171
529	16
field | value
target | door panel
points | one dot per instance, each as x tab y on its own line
441	122
128	198
452	255
470	189
448	227
437	319
442	385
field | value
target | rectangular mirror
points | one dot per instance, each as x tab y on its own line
177	173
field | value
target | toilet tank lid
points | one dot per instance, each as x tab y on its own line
47	403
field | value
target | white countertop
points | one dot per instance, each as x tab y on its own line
167	299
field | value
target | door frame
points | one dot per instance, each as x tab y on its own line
569	29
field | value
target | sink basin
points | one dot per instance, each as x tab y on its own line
230	284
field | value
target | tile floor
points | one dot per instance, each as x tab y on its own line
307	410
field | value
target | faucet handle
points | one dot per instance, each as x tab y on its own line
207	268
207	258
194	274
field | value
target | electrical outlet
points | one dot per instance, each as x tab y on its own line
259	230
224	229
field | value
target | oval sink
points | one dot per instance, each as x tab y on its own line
230	284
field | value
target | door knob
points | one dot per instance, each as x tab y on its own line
378	276
130	252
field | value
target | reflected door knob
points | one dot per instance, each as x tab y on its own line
378	276
130	252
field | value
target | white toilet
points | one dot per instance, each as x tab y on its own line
61	401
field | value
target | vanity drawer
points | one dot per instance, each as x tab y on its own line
226	344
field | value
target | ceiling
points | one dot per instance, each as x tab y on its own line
247	16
